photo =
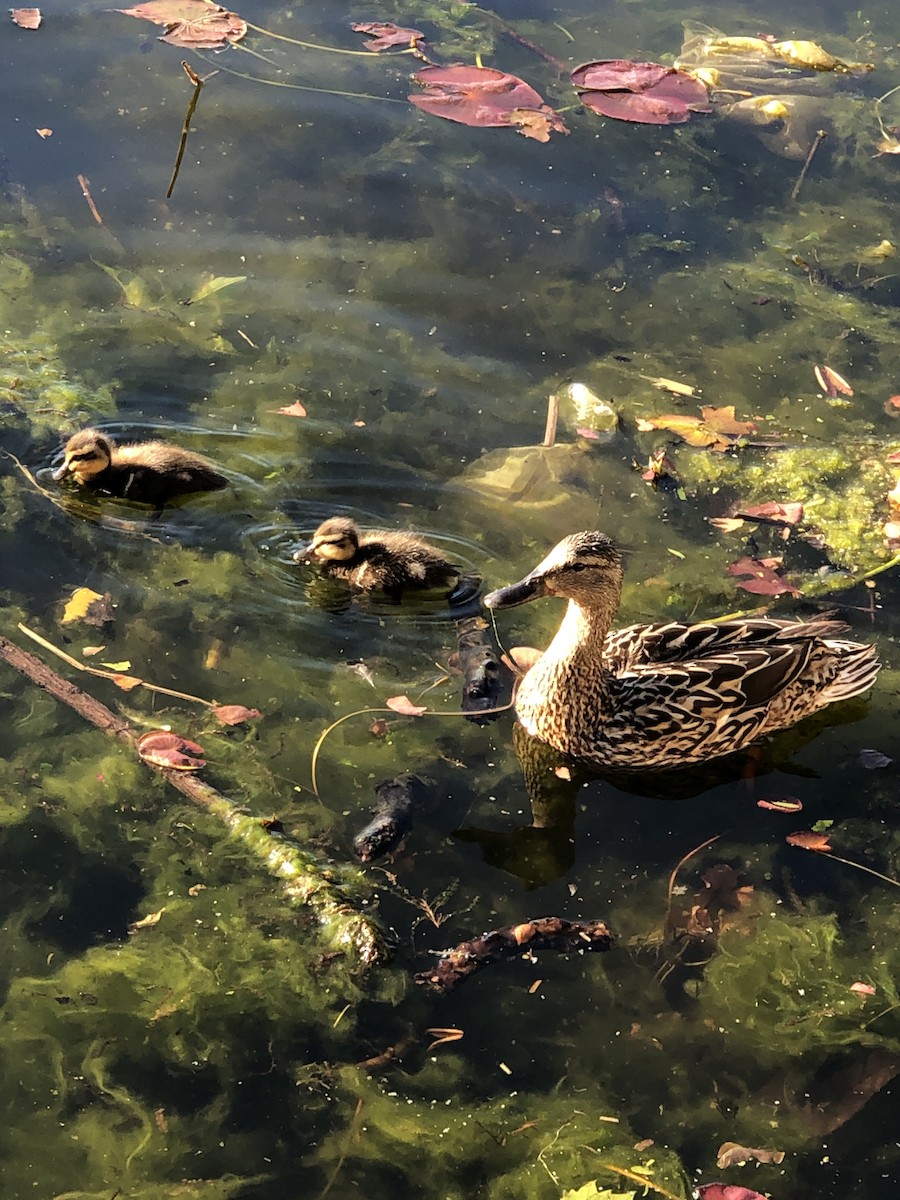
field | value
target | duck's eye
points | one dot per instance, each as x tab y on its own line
579	566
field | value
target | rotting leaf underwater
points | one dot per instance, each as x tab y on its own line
643	92
733	1154
763	577
165	749
384	35
234	714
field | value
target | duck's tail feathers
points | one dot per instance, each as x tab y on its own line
858	669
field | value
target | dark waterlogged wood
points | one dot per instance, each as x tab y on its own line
392	817
483	673
454	966
305	880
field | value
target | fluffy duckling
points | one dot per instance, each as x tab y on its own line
379	560
146	472
671	694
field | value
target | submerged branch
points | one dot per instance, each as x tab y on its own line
306	881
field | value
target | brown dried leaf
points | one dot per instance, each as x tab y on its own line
166	749
726	524
126	682
807	840
146	922
722	420
384	35
771	511
831	383
192	24
26	18
732	1154
403	704
234	714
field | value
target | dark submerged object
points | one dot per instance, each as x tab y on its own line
380	560
392	817
667	695
145	472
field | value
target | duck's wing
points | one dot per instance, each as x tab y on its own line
723	700
674	642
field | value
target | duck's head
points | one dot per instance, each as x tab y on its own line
336	540
584	567
86	454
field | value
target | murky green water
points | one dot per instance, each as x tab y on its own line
422	287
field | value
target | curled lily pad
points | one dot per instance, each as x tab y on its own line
482	96
647	93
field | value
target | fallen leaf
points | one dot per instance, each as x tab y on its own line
562	773
379	728
643	1145
90	651
863	989
126	682
732	1154
215	284
591	434
292	410
873	759
384	35
483	96
807	840
788	804
196	888
831	383
26	18
671	385
166	749
44	133
403	704
727	1191
771	511
234	714
726	524
762	577
192	24
77	605
118	666
722	420
146	922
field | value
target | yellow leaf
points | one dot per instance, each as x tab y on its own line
76	607
121	666
211	286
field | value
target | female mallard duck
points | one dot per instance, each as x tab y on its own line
379	560
668	695
147	472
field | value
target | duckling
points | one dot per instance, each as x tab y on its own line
667	695
379	560
146	472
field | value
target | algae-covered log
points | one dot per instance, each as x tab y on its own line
306	879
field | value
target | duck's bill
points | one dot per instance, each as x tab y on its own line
529	588
61	472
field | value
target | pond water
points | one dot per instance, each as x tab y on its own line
421	288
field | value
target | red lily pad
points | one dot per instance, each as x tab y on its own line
234	714
191	24
647	93
384	35
485	97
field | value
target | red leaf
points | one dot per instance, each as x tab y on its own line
482	96
763	577
26	18
807	840
639	109
727	1191
788	804
831	383
291	410
235	714
384	35
191	24
620	75
403	704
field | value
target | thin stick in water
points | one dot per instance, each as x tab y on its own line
817	141
198	82
552	419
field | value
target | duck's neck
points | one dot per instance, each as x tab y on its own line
569	687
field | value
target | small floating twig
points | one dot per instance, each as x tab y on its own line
198	82
817	141
552	420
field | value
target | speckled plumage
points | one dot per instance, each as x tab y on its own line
667	695
146	472
379	560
